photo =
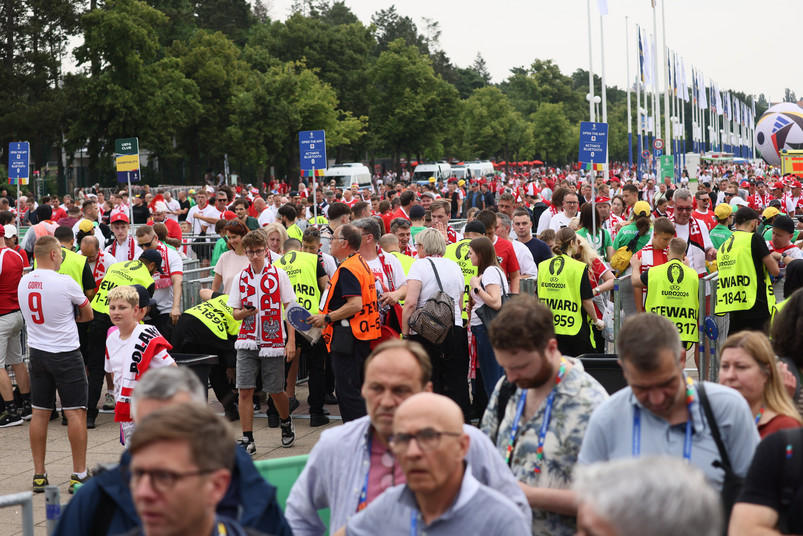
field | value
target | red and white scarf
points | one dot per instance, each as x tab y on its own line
695	234
265	331
163	280
451	235
99	270
130	240
388	271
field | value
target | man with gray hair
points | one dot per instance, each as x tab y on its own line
672	497
105	505
690	229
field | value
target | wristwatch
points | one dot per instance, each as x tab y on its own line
327	319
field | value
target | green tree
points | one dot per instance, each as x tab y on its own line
553	135
180	20
493	127
121	101
270	110
412	109
543	82
390	26
232	17
213	63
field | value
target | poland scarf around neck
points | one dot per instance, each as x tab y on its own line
265	331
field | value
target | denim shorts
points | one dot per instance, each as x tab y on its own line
248	363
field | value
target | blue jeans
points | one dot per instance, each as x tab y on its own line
491	371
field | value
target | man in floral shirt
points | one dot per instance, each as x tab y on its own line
546	402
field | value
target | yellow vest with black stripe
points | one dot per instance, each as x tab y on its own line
302	270
737	287
458	252
558	288
215	314
672	293
120	274
72	264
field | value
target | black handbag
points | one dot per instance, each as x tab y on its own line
488	313
733	483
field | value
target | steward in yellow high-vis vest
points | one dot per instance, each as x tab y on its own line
121	274
672	293
744	263
562	285
303	271
459	253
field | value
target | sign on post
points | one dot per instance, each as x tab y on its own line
593	144
667	167
312	149
312	153
126	152
18	162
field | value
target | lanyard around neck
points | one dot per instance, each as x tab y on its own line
689	428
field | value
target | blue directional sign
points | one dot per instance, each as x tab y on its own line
18	162
593	143
312	149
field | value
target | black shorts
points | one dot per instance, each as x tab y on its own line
203	247
63	372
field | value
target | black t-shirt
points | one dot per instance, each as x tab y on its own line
539	249
765	479
141	213
184	205
87	279
347	285
760	309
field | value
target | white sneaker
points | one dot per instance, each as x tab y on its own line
249	446
288	433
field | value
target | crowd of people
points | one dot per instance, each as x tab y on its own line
419	310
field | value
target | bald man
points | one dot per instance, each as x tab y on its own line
351	465
440	495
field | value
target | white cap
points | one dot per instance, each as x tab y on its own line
10	231
739	202
160	206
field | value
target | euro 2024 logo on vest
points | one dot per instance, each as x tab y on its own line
554	271
675	280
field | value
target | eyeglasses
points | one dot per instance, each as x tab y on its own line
147	244
729	195
571	202
221	200
256	252
683	209
427	439
162	481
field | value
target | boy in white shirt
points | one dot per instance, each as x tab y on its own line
131	350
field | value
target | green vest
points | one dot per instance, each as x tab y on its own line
737	286
459	253
294	231
72	264
120	274
216	316
559	289
321	220
719	234
302	270
672	293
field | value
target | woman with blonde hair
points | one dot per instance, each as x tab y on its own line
748	364
277	236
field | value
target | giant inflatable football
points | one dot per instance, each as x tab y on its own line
781	127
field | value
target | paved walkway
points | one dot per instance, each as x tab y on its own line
103	446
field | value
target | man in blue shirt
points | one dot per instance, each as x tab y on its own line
659	413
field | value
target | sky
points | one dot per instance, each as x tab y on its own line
744	45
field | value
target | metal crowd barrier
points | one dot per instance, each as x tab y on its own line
25	500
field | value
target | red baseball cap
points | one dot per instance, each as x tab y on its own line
777	186
602	199
120	216
796	184
229	215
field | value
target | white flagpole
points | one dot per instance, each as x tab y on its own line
602	72
629	116
668	139
590	67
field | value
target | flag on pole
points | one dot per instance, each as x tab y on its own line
683	81
703	97
640	56
737	111
716	98
653	58
602	5
753	108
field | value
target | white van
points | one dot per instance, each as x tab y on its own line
442	171
347	174
480	168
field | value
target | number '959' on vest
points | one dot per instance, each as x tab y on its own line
559	281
